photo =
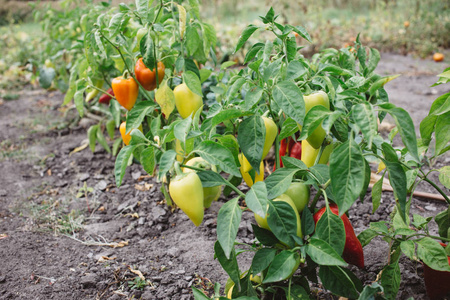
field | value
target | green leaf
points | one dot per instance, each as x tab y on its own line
245	36
307	220
347	174
111	128
367	175
198	295
262	259
380	83
282	266
210	178
443	221
46	76
193	82
364	117
279	181
230	142
137	137
444	176
114	108
264	236
313	120
282	221
295	69
252	52
142	7
371	292
193	40
147	160
374	58
166	162
442	132
397	179
256	198
102	141
288	97
146	48
330	229
252	97
181	129
323	254
427	127
204	74
216	154
390	279
78	100
228	221
136	115
377	190
339	281
228	263
121	163
366	236
405	127
251	136
432	254
289	128
302	32
235	87
115	24
227	114
408	248
92	136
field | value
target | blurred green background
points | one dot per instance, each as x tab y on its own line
418	27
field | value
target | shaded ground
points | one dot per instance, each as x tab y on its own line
56	243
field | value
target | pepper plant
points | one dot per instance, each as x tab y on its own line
329	103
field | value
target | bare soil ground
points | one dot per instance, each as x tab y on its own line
58	240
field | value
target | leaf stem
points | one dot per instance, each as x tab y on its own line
437	188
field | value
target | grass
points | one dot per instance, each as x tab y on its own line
402	26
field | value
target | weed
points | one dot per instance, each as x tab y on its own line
137	284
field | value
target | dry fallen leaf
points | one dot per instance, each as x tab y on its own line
137	272
144	187
106	258
142	177
78	149
120	244
101	208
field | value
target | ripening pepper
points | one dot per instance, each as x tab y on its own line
186	101
126	91
290	148
271	134
437	282
299	193
326	153
186	191
147	77
353	251
126	137
93	91
106	98
210	194
314	99
247	177
309	154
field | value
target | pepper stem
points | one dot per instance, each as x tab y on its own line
177	168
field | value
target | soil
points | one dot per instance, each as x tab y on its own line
67	231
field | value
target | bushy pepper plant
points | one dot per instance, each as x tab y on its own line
228	120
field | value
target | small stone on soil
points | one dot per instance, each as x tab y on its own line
101	185
89	281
